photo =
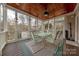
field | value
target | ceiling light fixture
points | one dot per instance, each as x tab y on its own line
46	13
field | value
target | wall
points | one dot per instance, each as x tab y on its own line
2	41
77	25
70	19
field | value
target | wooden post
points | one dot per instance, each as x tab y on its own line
54	27
16	27
48	26
4	17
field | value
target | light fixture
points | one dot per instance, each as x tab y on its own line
46	13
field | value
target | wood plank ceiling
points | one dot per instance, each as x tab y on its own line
38	9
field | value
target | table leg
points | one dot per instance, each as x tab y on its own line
44	42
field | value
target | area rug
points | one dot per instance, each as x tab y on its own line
35	47
17	49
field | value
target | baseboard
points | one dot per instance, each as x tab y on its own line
1	48
15	40
72	43
11	41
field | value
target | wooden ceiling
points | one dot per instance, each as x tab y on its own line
37	9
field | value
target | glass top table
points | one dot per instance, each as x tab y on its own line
43	34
